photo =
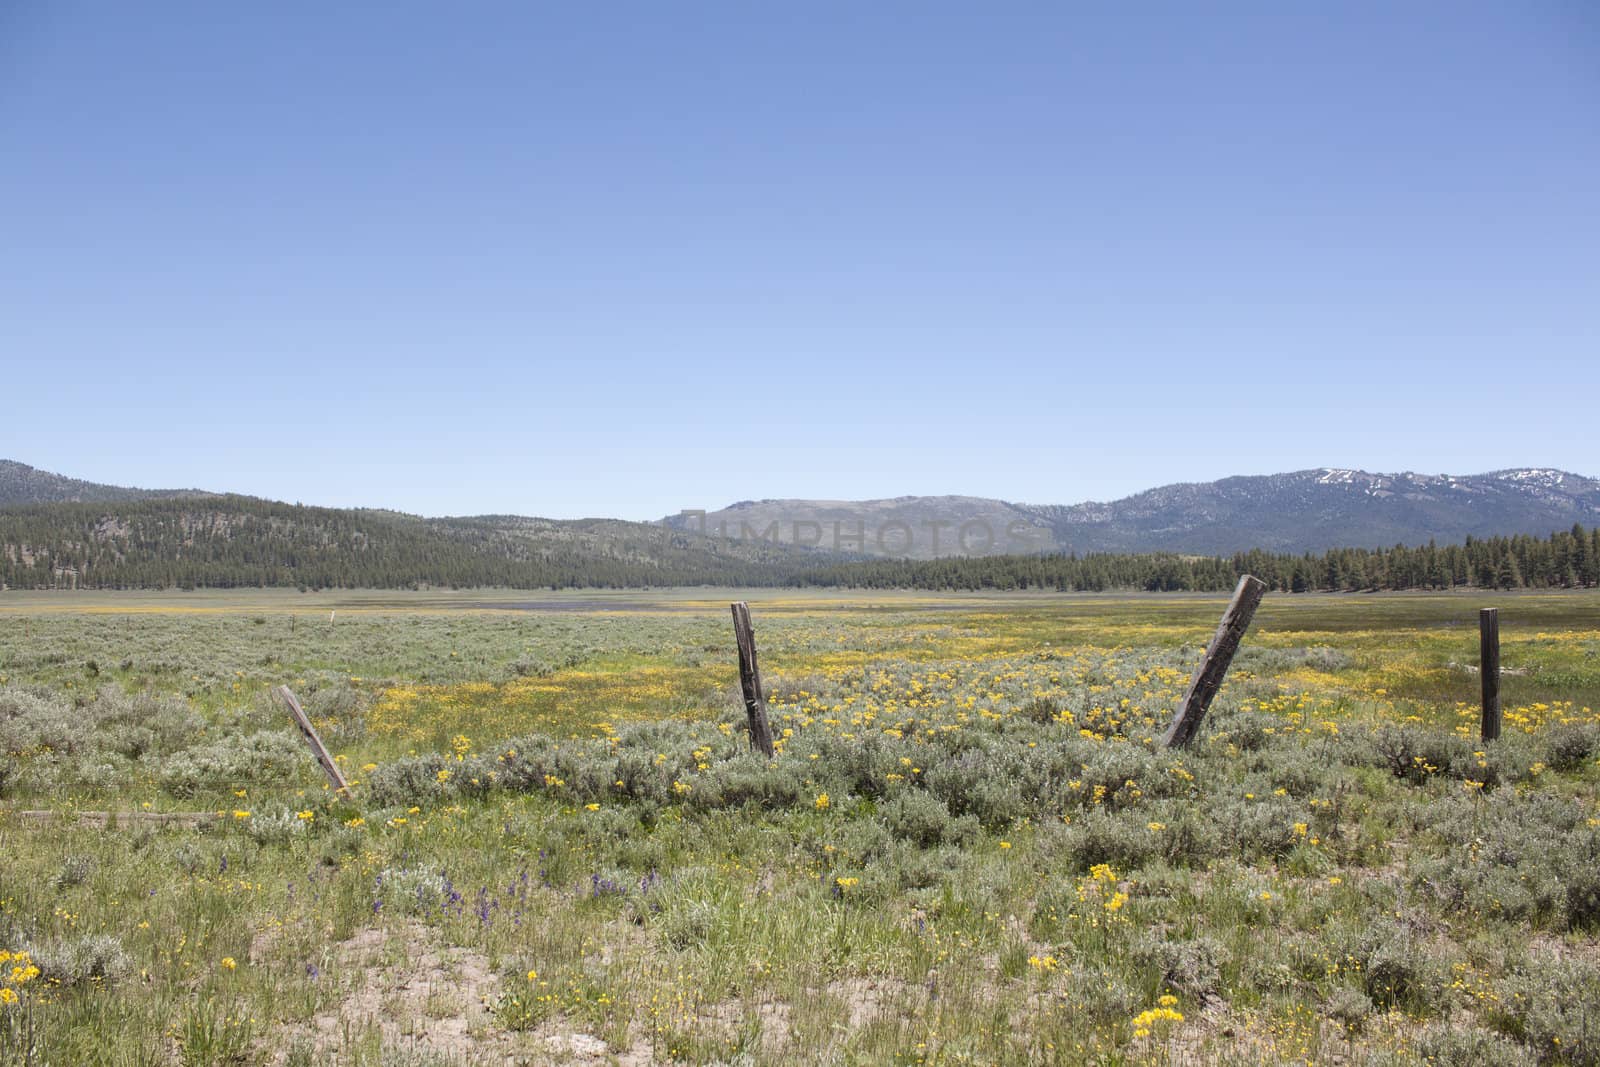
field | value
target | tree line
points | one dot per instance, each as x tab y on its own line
1566	559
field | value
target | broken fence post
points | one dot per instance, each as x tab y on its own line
329	766
755	707
1489	669
1219	654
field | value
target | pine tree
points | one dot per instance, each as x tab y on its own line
1508	575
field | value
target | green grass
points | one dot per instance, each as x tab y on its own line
968	851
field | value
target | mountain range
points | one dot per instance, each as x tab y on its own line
56	530
1302	511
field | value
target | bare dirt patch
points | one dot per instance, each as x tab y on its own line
420	996
868	999
417	995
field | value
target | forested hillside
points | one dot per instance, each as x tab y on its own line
22	484
232	541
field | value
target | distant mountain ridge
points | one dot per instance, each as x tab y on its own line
920	527
1300	511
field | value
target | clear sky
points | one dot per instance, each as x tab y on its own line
624	259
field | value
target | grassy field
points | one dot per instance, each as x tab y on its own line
968	850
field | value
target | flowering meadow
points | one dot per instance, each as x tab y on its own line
970	847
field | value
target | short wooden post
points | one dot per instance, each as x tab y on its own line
755	707
1219	654
329	766
1489	669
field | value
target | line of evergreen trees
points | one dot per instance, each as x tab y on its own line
236	542
1566	559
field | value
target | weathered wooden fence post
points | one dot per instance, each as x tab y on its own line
330	767
1219	654
1489	669
755	707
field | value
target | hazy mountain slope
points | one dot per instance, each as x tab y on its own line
22	484
1326	508
918	527
1297	512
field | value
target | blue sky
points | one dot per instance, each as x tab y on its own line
626	259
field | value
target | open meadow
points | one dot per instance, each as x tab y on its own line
970	847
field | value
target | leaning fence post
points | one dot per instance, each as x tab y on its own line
1219	654
755	707
329	766
1489	669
